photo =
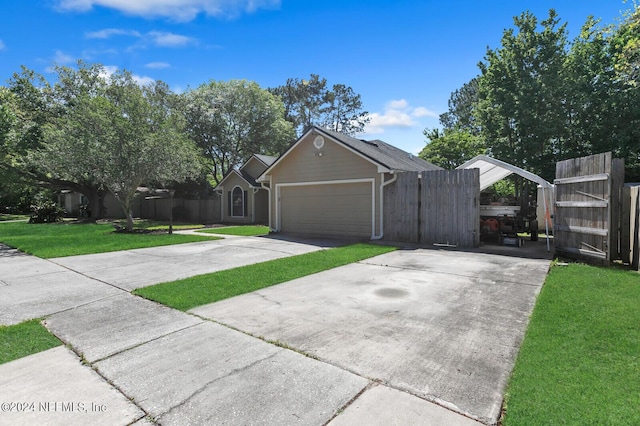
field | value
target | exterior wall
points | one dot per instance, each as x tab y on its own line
304	163
71	202
254	167
261	201
231	182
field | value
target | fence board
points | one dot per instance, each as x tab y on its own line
401	208
198	211
450	207
584	227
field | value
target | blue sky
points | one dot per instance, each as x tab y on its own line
404	57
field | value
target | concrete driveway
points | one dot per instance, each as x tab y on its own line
132	269
442	325
31	287
385	336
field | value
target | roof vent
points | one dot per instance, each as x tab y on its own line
369	143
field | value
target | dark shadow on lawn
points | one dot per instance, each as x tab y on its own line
6	251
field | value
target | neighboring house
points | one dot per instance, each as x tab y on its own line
330	184
243	199
73	203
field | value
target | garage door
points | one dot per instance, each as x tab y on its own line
343	209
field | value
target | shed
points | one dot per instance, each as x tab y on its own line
332	185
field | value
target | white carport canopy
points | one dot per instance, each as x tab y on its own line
492	170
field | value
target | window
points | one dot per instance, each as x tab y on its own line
238	202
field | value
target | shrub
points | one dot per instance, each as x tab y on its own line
46	211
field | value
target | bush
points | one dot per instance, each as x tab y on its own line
46	211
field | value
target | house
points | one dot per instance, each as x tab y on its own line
243	200
330	184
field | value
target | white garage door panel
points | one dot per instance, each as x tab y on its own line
327	209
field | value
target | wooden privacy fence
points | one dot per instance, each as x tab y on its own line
588	207
201	210
630	235
435	207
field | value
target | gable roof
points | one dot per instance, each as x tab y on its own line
267	160
386	157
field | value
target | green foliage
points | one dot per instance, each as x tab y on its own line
460	115
579	360
115	134
26	338
520	107
200	290
504	188
541	98
45	211
72	239
230	121
310	102
451	148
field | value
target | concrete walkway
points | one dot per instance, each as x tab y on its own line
131	360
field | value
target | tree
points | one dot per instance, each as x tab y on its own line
462	102
39	104
311	102
451	148
115	134
230	121
520	106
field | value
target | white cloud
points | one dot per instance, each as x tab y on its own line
61	58
398	104
109	32
424	112
158	38
397	114
165	39
178	10
108	70
157	65
142	80
2	45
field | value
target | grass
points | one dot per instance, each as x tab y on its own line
580	360
191	292
5	217
245	231
26	338
154	225
70	239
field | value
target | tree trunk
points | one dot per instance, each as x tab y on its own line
129	219
96	203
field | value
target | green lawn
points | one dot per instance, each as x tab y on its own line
200	290
26	338
5	217
155	225
70	239
580	360
245	231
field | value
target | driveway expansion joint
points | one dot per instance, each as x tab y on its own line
87	276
